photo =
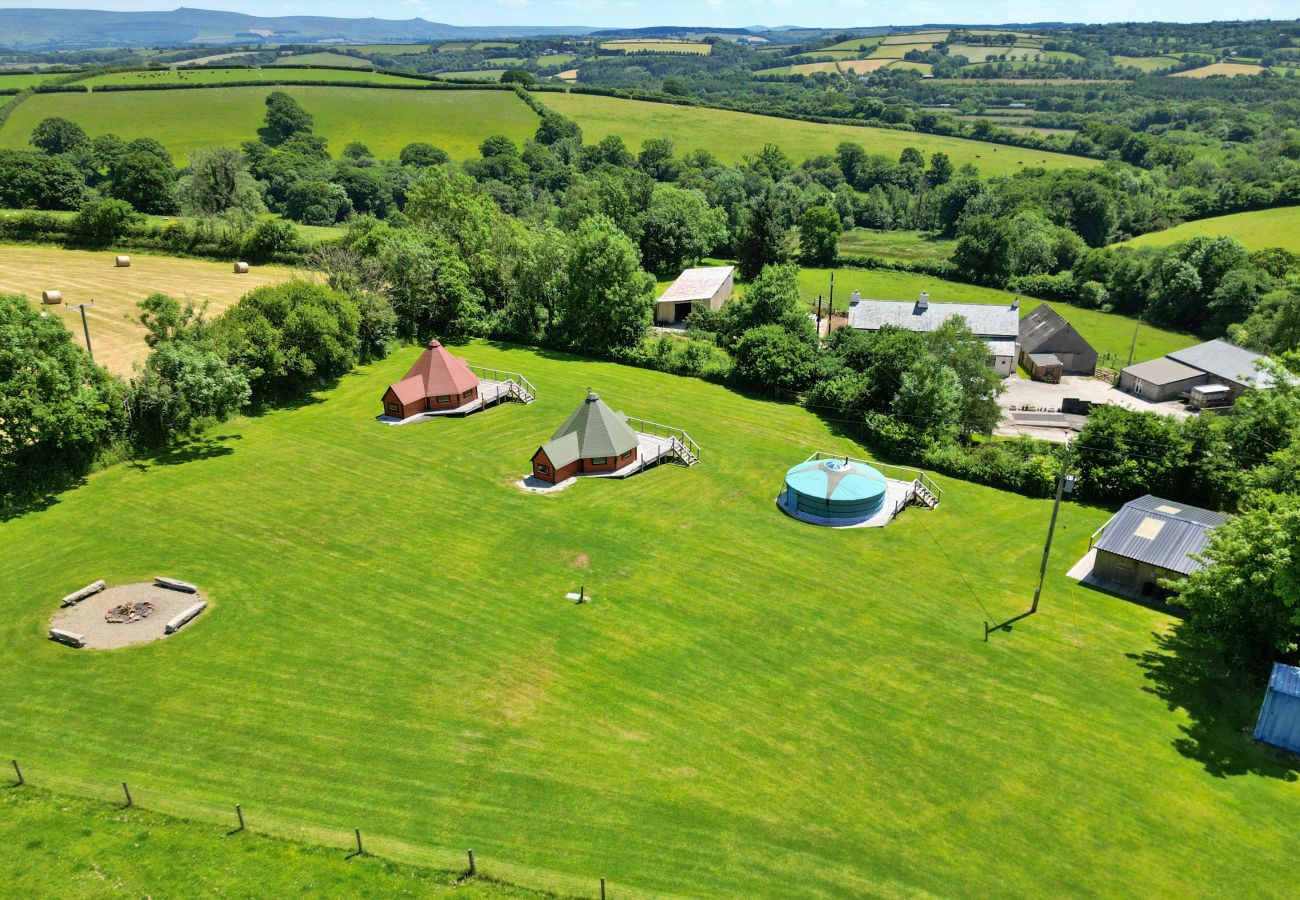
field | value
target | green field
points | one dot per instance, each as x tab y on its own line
652	46
25	80
385	49
556	59
745	134
900	245
853	44
266	75
323	59
1146	63
898	51
386	121
749	706
475	74
86	848
1279	227
1107	332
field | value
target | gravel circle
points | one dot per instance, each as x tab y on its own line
87	617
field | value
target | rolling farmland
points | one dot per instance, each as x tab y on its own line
83	276
745	133
1255	230
241	76
386	121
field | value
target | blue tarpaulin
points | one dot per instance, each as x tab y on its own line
1279	717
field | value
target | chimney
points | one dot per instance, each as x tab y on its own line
924	301
855	298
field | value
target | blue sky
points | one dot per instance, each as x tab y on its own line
631	13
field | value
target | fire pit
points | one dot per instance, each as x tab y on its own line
129	612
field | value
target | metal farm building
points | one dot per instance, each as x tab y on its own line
1149	539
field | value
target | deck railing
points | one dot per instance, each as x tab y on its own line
647	427
894	473
501	375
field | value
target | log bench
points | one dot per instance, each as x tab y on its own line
71	638
175	584
179	621
89	590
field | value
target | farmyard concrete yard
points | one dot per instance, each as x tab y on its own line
749	706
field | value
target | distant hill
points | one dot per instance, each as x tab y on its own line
56	29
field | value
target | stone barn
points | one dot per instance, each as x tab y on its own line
997	326
1045	333
1149	539
437	381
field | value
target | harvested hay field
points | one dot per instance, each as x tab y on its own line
152	608
83	275
1232	70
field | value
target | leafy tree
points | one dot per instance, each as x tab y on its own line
290	338
679	228
420	155
540	283
31	180
929	400
773	357
656	159
272	239
1274	326
620	194
761	239
357	151
1246	600
819	236
1123	454
100	222
57	135
675	87
609	151
911	157
144	180
430	287
518	76
219	183
67	406
957	347
369	194
284	119
940	171
317	203
556	128
105	149
607	306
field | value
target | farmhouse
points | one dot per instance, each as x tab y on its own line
1211	374
998	325
595	440
709	287
1050	347
1148	539
441	384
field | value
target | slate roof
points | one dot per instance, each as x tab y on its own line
1226	361
1002	348
1160	533
985	320
1162	371
697	284
435	374
593	430
1042	325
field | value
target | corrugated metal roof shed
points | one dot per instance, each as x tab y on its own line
988	321
1285	680
1160	533
1163	371
697	284
1279	716
1224	360
1044	359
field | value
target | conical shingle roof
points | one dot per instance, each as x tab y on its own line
435	374
593	430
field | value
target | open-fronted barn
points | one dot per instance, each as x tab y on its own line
1150	539
707	288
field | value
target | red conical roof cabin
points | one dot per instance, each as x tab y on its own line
438	381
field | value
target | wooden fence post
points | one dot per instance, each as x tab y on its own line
473	870
240	812
602	888
126	790
359	848
19	773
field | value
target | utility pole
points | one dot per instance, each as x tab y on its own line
84	326
1051	529
819	315
1133	346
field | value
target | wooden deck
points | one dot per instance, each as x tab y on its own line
650	451
490	393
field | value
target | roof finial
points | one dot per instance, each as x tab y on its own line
591	396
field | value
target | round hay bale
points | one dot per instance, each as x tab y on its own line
122	262
241	268
51	297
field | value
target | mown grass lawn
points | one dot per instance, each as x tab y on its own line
750	706
733	135
61	846
1257	230
386	121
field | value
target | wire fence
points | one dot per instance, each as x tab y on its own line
353	841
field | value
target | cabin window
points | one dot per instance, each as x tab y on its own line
393	407
543	470
599	460
627	455
469	395
445	398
